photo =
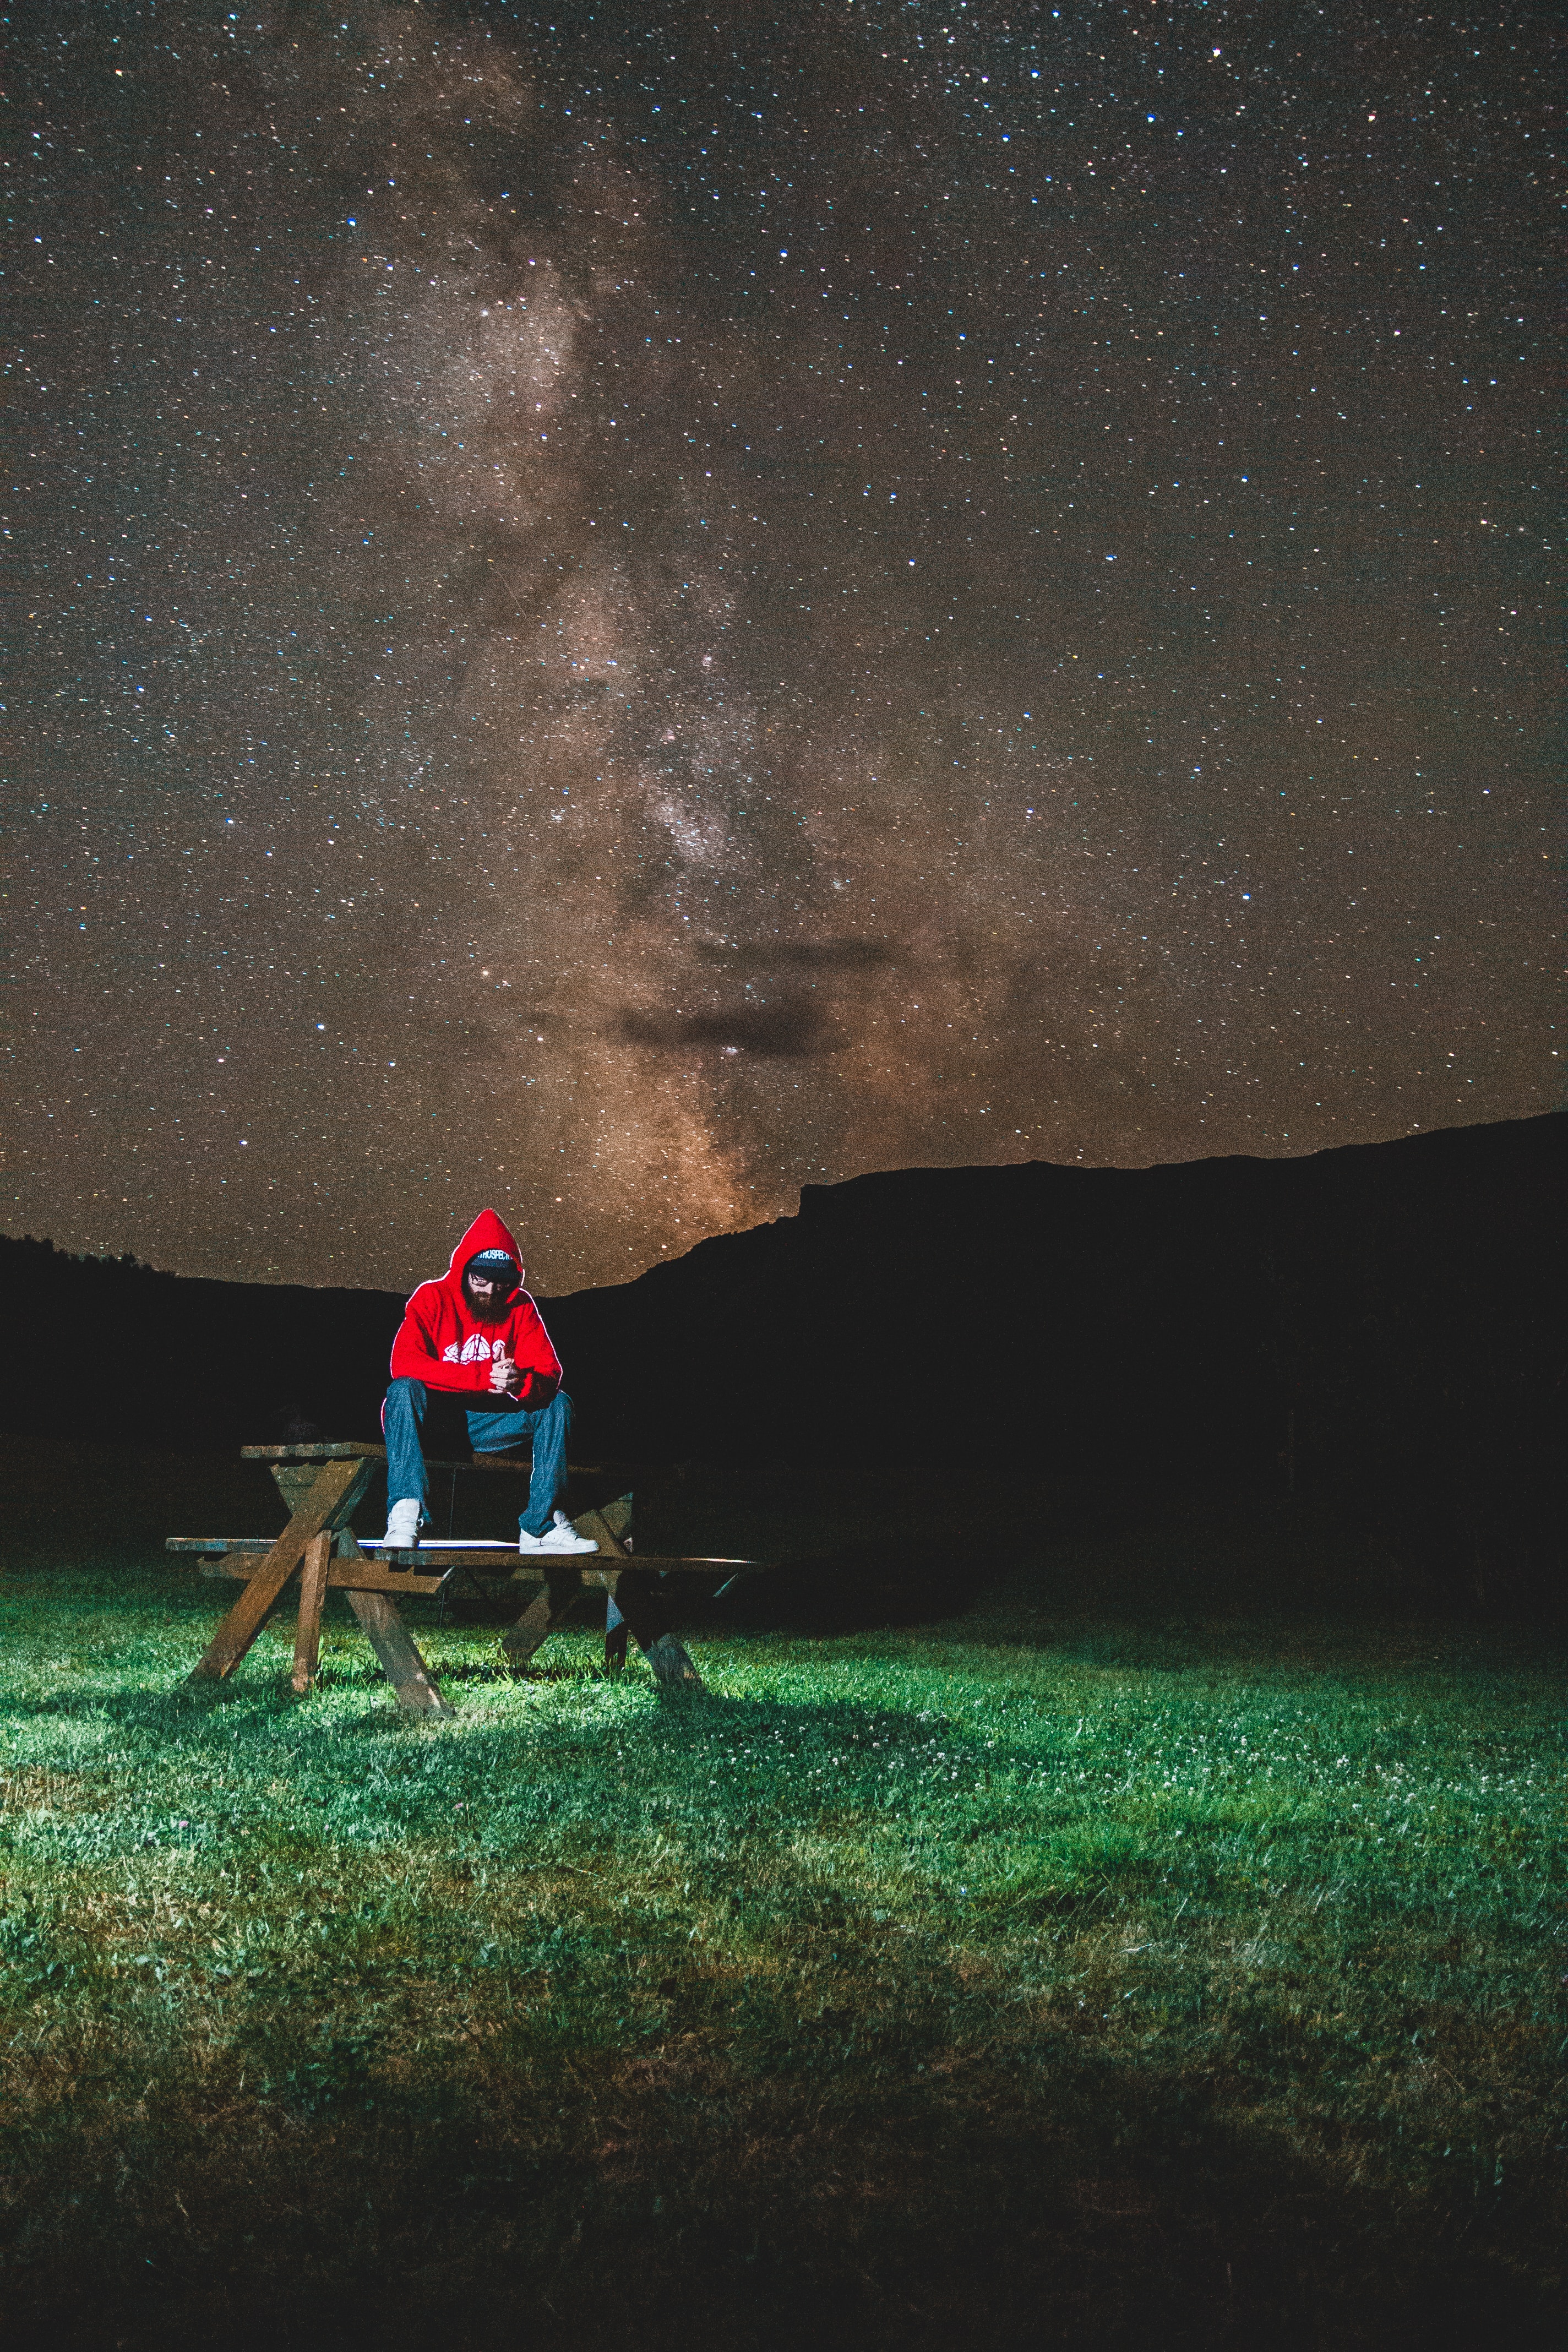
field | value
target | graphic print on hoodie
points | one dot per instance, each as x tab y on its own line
443	1342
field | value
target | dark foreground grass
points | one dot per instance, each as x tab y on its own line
1055	1974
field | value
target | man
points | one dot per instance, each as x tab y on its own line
476	1334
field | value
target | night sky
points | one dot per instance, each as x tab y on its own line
624	609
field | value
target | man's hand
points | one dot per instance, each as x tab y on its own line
504	1374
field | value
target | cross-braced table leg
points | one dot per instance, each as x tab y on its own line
306	1543
639	1597
396	1650
560	1594
395	1647
644	1611
332	1496
645	1614
312	1593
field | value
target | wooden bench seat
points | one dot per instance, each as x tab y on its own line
432	1570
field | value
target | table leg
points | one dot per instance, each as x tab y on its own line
395	1647
557	1597
647	1612
642	1608
312	1591
332	1496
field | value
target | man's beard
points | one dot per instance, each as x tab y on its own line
492	1310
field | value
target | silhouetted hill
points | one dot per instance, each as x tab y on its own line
1384	1319
107	1348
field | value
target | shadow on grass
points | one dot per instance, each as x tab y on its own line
840	2119
824	2181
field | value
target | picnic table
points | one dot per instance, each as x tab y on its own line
322	1486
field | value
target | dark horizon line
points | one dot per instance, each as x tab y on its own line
842	1183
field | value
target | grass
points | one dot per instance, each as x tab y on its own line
1125	1958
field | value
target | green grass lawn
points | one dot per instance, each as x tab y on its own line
1081	1968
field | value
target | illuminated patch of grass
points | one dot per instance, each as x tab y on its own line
1024	1975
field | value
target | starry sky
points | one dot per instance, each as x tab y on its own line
619	609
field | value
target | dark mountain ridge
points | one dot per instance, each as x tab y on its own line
1384	1319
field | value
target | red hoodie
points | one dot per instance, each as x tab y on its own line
442	1341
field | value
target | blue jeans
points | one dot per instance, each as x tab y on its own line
492	1430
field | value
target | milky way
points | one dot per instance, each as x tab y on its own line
624	610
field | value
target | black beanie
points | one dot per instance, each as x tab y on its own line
497	1264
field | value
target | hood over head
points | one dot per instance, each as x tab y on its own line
486	1233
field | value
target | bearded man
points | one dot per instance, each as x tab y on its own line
477	1335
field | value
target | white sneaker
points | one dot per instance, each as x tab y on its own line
562	1537
402	1526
